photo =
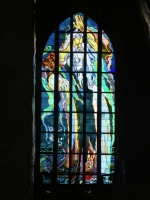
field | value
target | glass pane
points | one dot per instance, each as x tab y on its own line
63	143
108	102
77	143
63	163
91	62
64	42
76	163
90	179
46	179
46	143
46	163
62	179
108	62
47	119
50	45
48	62
78	22
63	122
107	164
91	143
91	25
92	82
77	102
65	25
78	62
91	122
63	82
108	82
78	42
91	162
77	179
77	82
106	44
91	102
92	42
108	123
47	101
48	82
64	62
77	122
107	143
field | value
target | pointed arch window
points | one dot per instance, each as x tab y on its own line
77	105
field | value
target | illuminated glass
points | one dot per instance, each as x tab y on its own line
77	140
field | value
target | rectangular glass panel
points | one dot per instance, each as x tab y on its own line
64	102
64	62
77	179
47	121
92	82
46	163
77	82
107	143
91	163
108	62
65	25
108	123
46	178
107	164
91	143
63	163
50	45
91	62
77	122
76	163
78	62
78	42
108	82
48	62
63	179
77	143
63	142
47	101
108	102
92	42
78	22
90	179
91	102
91	25
63	82
47	80
64	42
91	122
63	122
46	142
77	102
106	44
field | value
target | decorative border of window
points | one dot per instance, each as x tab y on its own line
77	105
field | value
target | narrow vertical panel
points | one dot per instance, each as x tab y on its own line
91	62
92	42
108	102
78	22
92	25
65	25
50	45
107	143
64	42
46	163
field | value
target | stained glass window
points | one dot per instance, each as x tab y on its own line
77	144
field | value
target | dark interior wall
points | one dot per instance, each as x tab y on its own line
124	26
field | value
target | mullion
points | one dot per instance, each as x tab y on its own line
99	103
84	97
70	133
56	97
